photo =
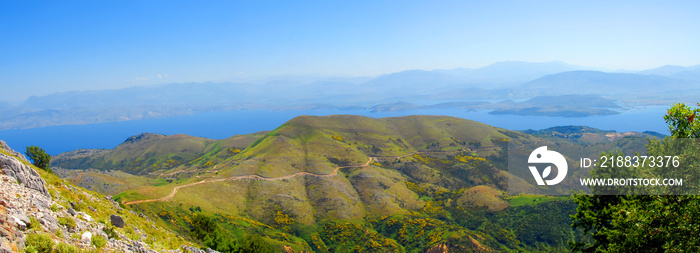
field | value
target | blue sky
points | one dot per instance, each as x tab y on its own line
53	46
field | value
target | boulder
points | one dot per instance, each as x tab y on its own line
40	203
86	217
50	222
18	214
117	221
20	224
71	211
86	237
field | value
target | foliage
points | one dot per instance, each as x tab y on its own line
99	241
109	230
34	223
283	220
206	229
354	237
415	234
648	223
543	223
39	242
67	221
39	158
255	244
65	248
681	121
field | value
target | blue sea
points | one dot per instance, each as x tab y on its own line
219	125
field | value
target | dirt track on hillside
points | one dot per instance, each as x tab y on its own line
174	191
257	177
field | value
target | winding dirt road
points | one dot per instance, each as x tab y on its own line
335	172
174	191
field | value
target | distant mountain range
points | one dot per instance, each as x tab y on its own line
620	85
678	72
510	72
500	81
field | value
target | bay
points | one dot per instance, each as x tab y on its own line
219	125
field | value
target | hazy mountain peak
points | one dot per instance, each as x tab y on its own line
664	70
511	64
679	72
142	137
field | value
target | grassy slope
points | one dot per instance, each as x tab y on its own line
159	154
64	192
307	143
320	144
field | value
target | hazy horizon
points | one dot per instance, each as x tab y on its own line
261	79
54	47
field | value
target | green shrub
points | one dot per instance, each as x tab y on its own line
80	206
54	207
65	248
99	241
30	249
67	221
34	224
109	230
255	244
38	242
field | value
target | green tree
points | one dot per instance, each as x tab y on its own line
208	231
39	158
255	244
681	121
649	223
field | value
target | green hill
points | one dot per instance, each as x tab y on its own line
343	182
155	153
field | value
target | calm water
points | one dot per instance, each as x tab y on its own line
219	125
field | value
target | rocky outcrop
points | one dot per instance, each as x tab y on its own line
6	148
22	173
18	203
26	207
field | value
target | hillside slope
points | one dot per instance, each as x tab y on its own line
42	210
149	153
304	182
